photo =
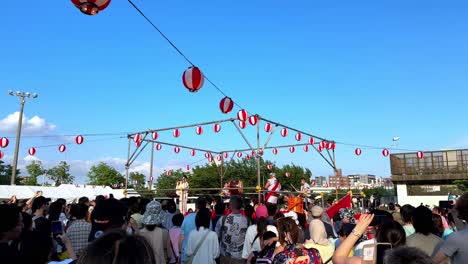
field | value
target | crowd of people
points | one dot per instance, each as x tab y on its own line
139	230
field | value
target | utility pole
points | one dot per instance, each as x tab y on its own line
22	96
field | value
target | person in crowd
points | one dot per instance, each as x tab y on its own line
232	229
157	236
407	212
11	225
203	244
171	209
248	213
78	231
380	218
455	247
289	251
318	235
219	212
451	223
188	225
391	232
272	209
39	207
174	234
55	211
255	232
135	222
265	256
442	212
272	185
38	248
108	215
423	237
344	232
117	247
407	255
437	226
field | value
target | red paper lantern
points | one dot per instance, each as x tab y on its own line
239	154
176	149
269	166
158	146
298	136
332	146
306	148
207	155
115	185
154	135
62	148
319	148
253	120
284	132
168	173
31	151
193	79
91	7
275	151
219	158
211	159
137	138
242	115
226	104
420	154
313	183
138	143
253	153
311	141
187	167
151	178
193	152
135	182
4	142
292	149
226	155
217	128
79	139
385	152
287	174
176	132
247	157
358	151
199	130
242	124
323	144
267	127
2	155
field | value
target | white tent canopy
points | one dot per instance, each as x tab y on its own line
69	192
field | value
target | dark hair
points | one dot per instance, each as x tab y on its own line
107	214
437	225
9	217
248	212
99	198
171	206
346	229
287	225
271	209
391	232
337	217
35	248
62	201
236	201
202	219
177	219
219	208
78	211
150	227
380	217
55	209
261	226
27	221
422	220
407	212
391	206
83	200
407	255
201	203
38	202
118	248
462	207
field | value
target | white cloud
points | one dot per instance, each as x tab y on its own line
31	125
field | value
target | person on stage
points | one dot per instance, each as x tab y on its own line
305	187
182	191
272	185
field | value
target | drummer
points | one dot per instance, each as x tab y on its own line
305	187
272	185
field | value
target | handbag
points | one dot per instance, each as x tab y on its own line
190	259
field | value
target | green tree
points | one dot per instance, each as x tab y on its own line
103	174
462	185
5	174
34	169
164	182
139	177
61	174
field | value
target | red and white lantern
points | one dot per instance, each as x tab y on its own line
193	152
151	178
216	128
306	148
158	146
122	184
298	137
385	152
313	183
103	186
275	151
323	144
219	158
135	182
247	157
138	143
187	167
333	145
319	148
253	153
292	149
168	173
193	79
358	151
284	132
287	174
269	166
31	151
4	142
62	148
115	185
242	124
207	155
79	139
239	154
226	104
267	127
1	155
91	7
176	150
419	154
253	120
311	140
176	132
242	115
226	155
154	135
137	138
199	130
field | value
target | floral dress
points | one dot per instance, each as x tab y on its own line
298	254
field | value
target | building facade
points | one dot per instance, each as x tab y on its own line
357	179
320	180
341	181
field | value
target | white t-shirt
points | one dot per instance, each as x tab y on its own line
358	249
209	249
305	187
250	235
272	198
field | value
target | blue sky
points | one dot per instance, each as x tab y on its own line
359	72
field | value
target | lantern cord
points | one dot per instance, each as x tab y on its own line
163	35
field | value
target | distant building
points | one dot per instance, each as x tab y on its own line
320	180
357	179
341	181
